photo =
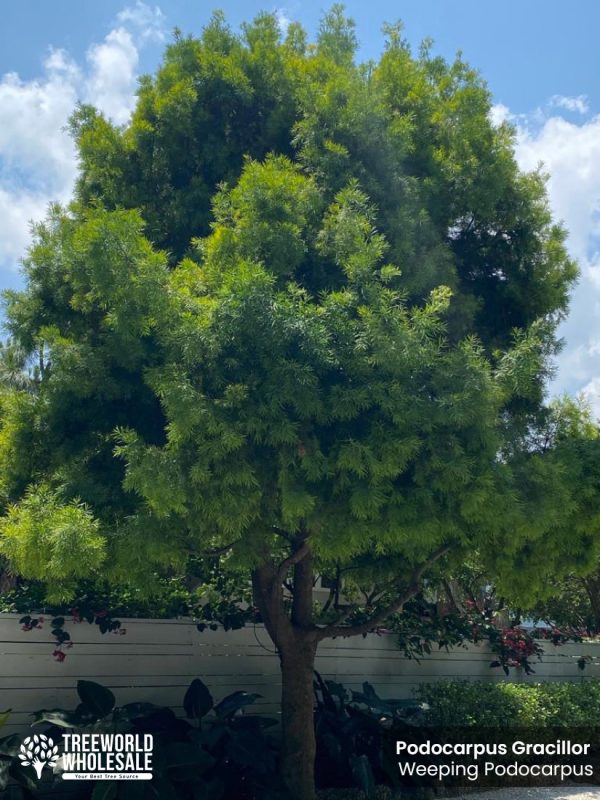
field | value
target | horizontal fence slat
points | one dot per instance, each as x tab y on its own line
155	660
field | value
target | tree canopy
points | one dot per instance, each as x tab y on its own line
300	312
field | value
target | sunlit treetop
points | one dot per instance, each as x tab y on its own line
295	299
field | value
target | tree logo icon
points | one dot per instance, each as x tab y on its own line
38	751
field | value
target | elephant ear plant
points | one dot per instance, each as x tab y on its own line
353	729
216	753
11	769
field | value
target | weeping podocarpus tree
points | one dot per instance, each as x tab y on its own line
299	313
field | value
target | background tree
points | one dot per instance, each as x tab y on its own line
560	467
573	605
300	313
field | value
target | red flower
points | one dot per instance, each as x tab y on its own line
59	655
101	614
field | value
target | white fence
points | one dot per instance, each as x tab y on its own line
156	660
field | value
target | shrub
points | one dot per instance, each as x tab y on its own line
511	704
216	753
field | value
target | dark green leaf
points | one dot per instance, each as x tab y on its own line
234	702
98	699
197	701
63	719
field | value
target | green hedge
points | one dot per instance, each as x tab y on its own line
512	704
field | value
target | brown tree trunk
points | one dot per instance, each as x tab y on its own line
294	636
592	587
297	720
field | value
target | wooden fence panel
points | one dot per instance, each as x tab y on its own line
156	660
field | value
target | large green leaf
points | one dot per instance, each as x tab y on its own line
234	702
4	774
24	776
98	699
197	701
63	719
9	745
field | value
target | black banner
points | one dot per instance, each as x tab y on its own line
476	757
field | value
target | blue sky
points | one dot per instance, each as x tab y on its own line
540	58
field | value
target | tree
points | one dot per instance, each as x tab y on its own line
558	580
300	313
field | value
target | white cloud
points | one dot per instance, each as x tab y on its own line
578	104
500	113
591	391
37	157
283	20
570	154
149	23
16	209
112	76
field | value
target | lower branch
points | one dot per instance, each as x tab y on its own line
414	587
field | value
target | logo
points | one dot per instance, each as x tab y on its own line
91	756
107	756
38	751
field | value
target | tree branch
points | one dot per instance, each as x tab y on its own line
329	601
284	534
297	556
380	616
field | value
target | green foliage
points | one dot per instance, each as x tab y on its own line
500	705
573	604
12	773
422	626
52	541
220	753
352	730
294	293
557	472
206	592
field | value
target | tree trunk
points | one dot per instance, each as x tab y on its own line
592	587
294	636
297	717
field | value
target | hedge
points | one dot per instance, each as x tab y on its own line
511	704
